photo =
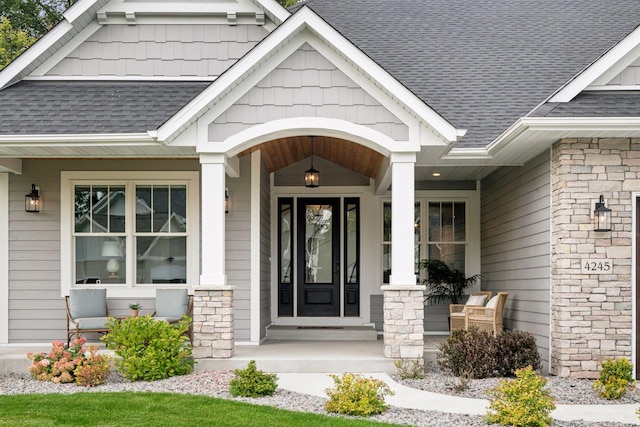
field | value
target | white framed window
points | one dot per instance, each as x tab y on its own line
129	232
441	228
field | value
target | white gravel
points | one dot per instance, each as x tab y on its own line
215	384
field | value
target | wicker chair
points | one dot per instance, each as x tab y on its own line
489	317
457	311
86	312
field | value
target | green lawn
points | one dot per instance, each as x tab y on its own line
153	409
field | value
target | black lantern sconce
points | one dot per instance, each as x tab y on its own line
226	200
32	200
311	175
603	216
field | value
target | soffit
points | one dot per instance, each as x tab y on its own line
280	153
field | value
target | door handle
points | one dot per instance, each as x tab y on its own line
337	269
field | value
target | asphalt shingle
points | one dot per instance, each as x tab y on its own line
594	104
38	107
482	64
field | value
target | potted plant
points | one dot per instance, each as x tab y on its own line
444	284
134	308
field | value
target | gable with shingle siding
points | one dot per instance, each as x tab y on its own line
307	85
161	50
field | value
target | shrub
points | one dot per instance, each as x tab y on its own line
469	353
478	354
410	368
521	402
252	382
59	364
615	378
150	349
93	369
354	394
516	350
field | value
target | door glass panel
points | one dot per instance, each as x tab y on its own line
351	245
318	249
285	242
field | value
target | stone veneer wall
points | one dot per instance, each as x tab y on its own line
213	323
591	314
404	322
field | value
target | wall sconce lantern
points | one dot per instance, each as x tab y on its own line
603	216
32	200
311	175
226	200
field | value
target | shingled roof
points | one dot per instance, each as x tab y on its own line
48	108
482	64
594	104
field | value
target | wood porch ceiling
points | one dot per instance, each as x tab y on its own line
280	153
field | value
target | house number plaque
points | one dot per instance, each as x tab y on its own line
597	266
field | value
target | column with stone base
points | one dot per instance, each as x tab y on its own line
404	322
213	323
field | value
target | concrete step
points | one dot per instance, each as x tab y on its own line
322	333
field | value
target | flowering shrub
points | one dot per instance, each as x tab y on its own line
93	369
60	364
57	365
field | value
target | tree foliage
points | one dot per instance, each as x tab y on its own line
22	22
287	3
13	41
35	17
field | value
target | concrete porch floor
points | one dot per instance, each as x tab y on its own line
271	356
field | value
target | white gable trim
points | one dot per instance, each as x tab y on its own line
251	64
603	69
318	126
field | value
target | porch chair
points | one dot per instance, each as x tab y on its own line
457	311
86	312
172	304
488	318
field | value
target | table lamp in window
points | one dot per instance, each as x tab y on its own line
113	250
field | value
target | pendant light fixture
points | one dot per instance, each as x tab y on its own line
311	175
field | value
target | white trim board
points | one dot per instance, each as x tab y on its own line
611	63
4	258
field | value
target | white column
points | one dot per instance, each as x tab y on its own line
402	219
213	221
4	258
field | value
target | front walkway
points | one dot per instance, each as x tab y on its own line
406	397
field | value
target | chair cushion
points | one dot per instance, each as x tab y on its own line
459	314
171	303
87	303
492	302
476	300
92	322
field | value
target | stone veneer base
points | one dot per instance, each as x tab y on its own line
403	328
213	323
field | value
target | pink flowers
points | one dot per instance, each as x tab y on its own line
59	364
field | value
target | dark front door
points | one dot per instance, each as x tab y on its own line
318	257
